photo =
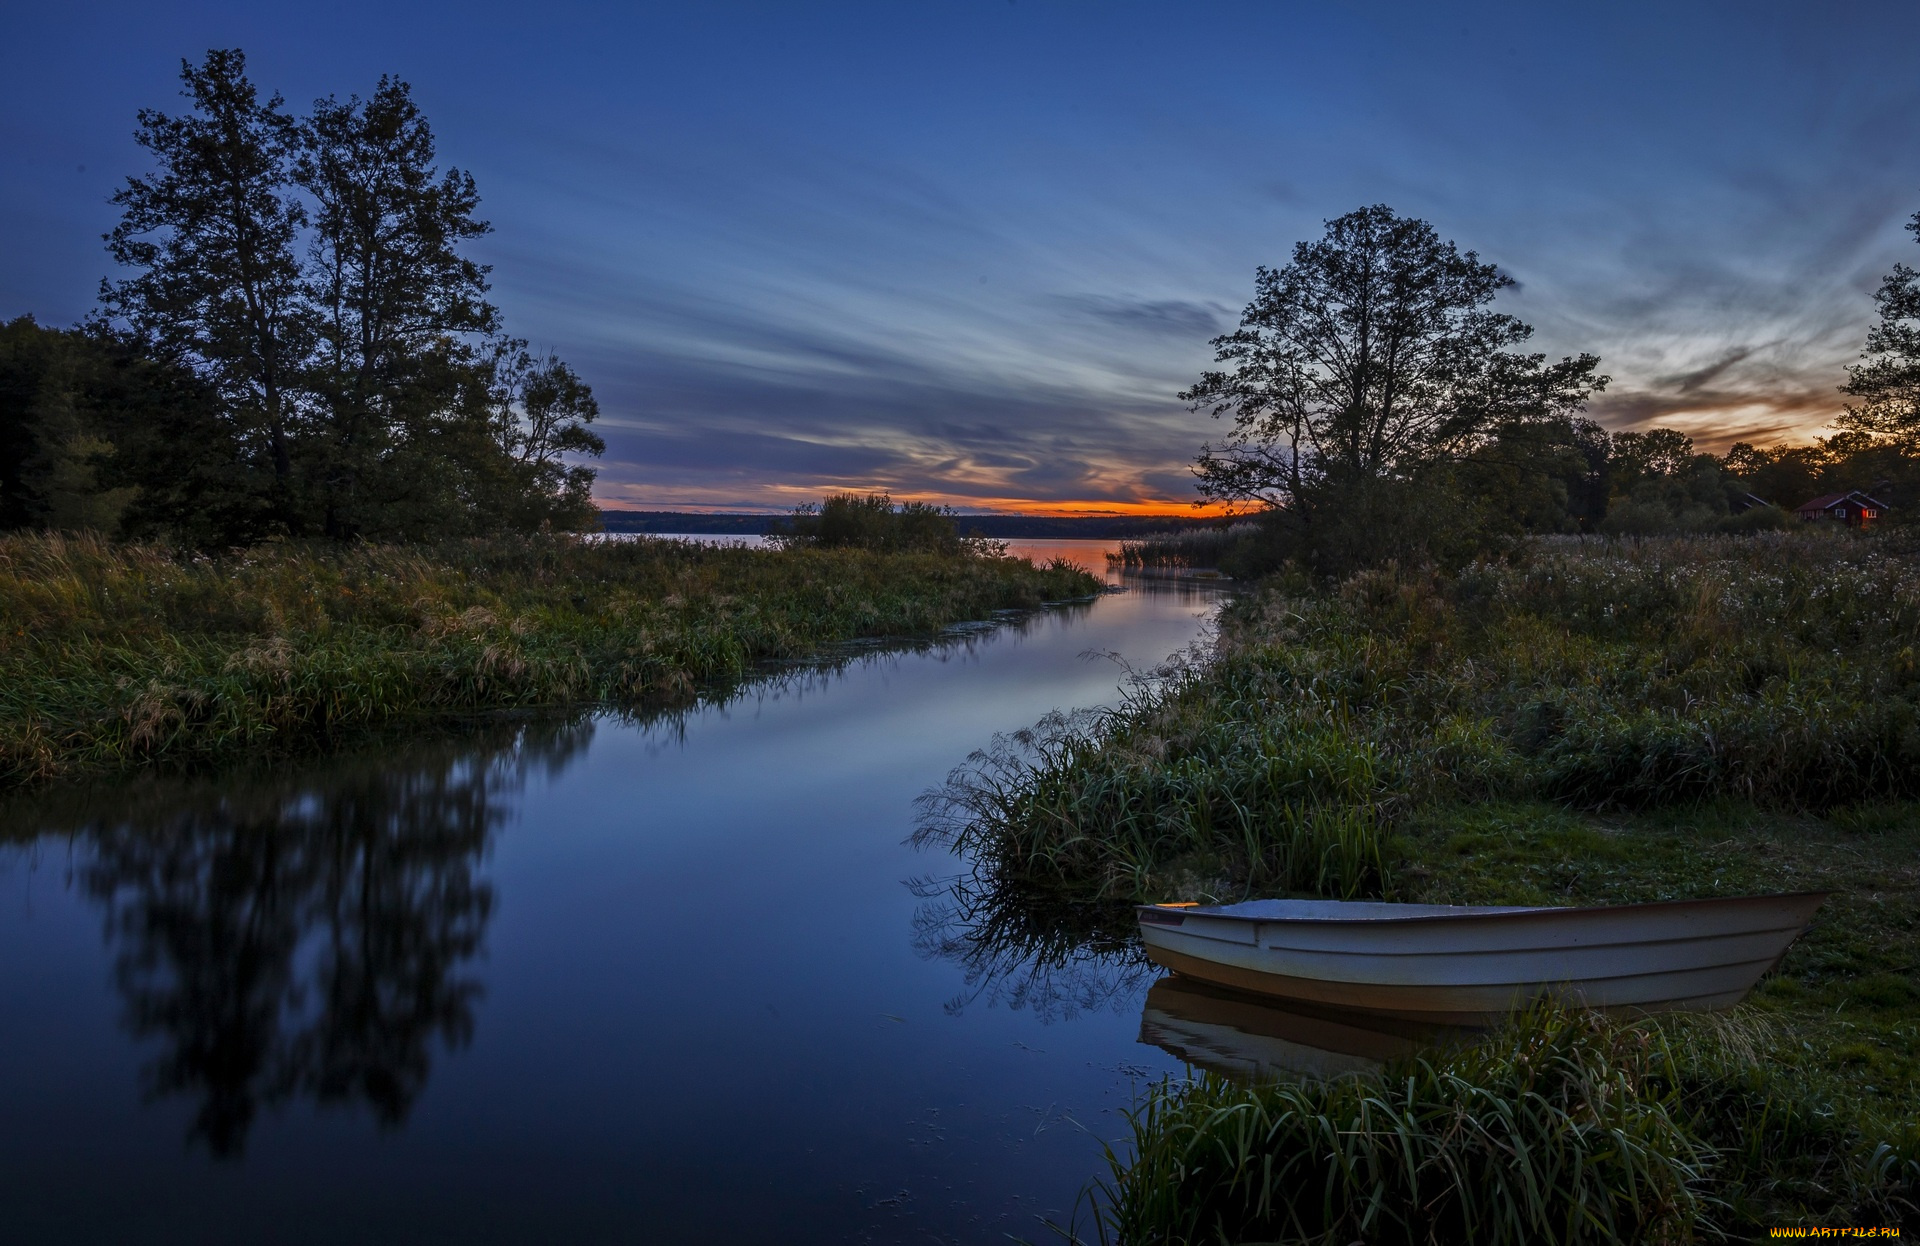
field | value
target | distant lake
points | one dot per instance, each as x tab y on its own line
590	979
1090	554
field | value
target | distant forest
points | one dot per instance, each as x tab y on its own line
299	346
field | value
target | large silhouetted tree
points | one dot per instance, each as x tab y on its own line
212	232
1886	384
400	308
1372	355
313	273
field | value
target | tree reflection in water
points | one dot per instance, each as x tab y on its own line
1051	956
308	938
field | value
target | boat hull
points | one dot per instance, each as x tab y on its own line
1473	966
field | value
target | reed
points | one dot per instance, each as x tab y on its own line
1564	1127
112	655
1776	669
1578	721
1188	549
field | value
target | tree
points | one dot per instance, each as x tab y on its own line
1541	476
212	232
542	409
1371	357
873	522
97	435
361	385
50	444
400	310
1657	454
1887	383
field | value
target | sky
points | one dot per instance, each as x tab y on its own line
970	252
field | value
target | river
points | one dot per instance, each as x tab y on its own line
599	979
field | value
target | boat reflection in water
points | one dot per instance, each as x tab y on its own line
1253	1038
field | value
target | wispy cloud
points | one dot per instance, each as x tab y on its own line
974	253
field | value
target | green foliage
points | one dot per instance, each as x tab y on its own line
51	432
1194	781
112	655
1562	1127
103	438
1777	669
1552	1131
1430	520
872	522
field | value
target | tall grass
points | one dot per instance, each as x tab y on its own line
112	654
1191	548
1565	1127
1175	792
1377	737
1778	669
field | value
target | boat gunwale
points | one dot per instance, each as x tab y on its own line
1446	952
1552	983
1469	912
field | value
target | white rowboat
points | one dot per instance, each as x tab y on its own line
1472	964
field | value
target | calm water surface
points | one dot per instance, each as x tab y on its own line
604	980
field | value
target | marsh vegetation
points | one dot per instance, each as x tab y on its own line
114	654
1584	721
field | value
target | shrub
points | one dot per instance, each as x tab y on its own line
873	522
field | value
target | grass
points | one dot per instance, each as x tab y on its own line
1597	676
1583	721
1564	1127
1194	548
114	655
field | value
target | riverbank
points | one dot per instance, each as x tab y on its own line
116	655
1584	723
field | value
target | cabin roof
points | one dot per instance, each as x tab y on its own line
1827	501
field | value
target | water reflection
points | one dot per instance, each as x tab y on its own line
312	940
1056	960
1188	590
310	932
1248	1037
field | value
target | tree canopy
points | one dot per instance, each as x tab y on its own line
1372	355
1887	381
321	354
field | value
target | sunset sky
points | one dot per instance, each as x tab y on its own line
969	252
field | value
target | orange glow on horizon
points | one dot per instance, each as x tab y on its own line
1160	508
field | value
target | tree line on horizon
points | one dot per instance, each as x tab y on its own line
301	349
1379	409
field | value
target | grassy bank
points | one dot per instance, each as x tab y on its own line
1585	722
112	655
